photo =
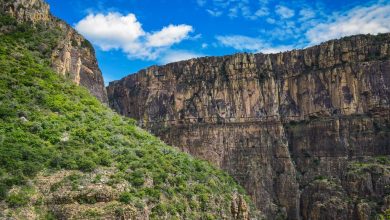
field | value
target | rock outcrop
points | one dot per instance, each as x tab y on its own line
306	132
74	56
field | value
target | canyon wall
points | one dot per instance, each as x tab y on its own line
73	56
306	132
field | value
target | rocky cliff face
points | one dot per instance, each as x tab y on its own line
73	57
306	132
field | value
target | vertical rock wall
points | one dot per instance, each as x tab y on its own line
306	132
74	57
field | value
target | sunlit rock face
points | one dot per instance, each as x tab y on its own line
306	132
73	57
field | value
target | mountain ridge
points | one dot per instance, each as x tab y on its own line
73	56
249	53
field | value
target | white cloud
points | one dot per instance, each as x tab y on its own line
178	55
262	12
169	35
271	21
111	31
245	43
204	46
276	49
240	42
124	32
306	13
360	20
249	9
284	12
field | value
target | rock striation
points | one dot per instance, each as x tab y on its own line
74	56
306	132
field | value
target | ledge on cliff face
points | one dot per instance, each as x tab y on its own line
71	55
290	127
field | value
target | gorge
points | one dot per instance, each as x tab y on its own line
306	132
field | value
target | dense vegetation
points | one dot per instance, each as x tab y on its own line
49	124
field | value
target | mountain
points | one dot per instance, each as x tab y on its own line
71	55
305	132
66	155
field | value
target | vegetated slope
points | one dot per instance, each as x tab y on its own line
306	132
65	155
70	55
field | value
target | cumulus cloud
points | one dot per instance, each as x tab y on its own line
112	31
284	12
360	20
124	32
250	44
169	35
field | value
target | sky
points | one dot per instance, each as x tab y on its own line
130	35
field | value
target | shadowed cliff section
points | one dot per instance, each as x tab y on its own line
71	55
306	132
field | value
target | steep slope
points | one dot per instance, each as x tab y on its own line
306	132
64	155
71	54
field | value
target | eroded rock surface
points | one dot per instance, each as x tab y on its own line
290	127
74	56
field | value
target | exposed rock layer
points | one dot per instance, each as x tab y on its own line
292	127
74	57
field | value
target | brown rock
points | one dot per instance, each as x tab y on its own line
276	122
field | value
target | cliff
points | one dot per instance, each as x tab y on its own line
72	55
306	132
65	155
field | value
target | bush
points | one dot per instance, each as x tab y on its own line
95	136
137	178
126	198
86	164
15	200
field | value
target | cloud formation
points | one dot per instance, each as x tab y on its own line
284	12
360	20
236	8
114	31
305	26
245	43
170	56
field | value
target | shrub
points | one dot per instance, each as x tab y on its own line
126	198
19	199
86	164
96	136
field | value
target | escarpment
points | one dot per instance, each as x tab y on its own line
71	56
66	155
306	132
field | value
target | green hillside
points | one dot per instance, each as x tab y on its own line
54	132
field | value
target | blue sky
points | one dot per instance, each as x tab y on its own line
130	35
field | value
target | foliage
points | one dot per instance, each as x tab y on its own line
38	109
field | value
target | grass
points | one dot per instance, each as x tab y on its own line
38	109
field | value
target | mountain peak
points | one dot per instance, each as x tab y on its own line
27	10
